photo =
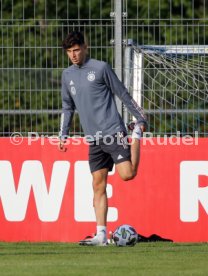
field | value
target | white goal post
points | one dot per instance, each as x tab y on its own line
171	84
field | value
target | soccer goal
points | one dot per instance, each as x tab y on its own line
171	84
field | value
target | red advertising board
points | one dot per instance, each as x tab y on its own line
46	195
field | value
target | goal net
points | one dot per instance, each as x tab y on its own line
171	84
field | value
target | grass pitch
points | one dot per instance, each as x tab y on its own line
157	258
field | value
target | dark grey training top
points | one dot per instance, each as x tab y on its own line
89	89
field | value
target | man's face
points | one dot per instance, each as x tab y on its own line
77	54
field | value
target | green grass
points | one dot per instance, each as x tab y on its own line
159	258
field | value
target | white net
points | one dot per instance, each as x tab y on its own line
172	86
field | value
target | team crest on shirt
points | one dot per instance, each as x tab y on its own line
91	76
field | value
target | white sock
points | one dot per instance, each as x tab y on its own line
137	132
101	232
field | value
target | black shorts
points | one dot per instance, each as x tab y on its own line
110	150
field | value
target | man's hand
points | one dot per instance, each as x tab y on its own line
131	126
61	145
137	129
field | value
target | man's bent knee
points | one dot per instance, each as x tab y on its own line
126	171
128	176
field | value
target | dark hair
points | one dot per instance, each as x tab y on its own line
72	39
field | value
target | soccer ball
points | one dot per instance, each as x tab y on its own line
125	235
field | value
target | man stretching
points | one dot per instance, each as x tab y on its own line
88	86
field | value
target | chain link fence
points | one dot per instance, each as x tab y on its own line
32	58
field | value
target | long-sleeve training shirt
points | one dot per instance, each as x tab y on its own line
89	89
